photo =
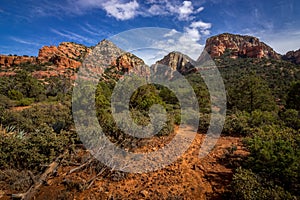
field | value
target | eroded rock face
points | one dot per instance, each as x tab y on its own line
236	46
62	60
9	61
177	61
292	56
109	61
66	55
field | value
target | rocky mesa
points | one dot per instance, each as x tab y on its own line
236	46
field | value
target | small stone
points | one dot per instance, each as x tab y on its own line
2	193
144	193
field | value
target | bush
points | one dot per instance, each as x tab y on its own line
237	123
275	155
25	102
261	118
30	151
293	99
247	185
15	95
5	102
291	118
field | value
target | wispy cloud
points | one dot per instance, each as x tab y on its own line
73	36
24	41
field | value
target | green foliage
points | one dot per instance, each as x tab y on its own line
22	85
58	86
277	74
237	123
293	99
251	93
56	116
15	94
25	101
168	96
30	151
144	97
201	91
241	122
261	118
5	102
247	185
291	118
275	155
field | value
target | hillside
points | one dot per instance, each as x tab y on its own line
256	157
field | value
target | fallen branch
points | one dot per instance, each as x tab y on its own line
92	180
43	178
81	166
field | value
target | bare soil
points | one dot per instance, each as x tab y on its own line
188	178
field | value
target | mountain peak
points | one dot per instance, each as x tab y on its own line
292	56
177	61
234	46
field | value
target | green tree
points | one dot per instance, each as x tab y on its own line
144	97
28	86
293	100
250	93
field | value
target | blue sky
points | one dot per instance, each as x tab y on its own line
27	25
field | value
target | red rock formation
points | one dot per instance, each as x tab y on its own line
8	61
66	55
238	46
177	61
293	56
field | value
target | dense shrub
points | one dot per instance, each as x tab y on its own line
251	93
31	150
293	99
247	185
237	123
15	94
25	101
275	155
291	118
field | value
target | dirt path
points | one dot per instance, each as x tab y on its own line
188	178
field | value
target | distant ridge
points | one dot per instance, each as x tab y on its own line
243	46
64	59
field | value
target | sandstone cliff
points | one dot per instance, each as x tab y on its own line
177	61
236	46
9	61
65	55
292	56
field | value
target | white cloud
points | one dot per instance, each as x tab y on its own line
200	9
157	10
121	11
187	42
192	33
185	10
200	24
171	33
